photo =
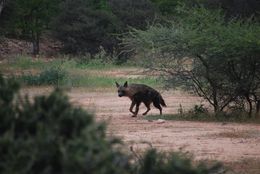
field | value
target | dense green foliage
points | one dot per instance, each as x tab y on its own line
218	59
50	135
84	26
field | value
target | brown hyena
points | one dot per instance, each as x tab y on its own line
139	93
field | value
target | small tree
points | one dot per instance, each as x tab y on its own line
32	18
216	58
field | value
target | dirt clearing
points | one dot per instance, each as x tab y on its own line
227	142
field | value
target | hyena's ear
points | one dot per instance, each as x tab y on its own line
125	85
117	85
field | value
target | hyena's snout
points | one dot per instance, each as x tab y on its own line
120	94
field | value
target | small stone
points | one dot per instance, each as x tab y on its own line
160	121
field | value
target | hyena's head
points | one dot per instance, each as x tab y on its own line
122	89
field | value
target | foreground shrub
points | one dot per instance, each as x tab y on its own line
49	135
161	163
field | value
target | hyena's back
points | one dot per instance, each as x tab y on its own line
142	90
144	93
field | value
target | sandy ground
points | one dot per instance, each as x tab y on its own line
226	142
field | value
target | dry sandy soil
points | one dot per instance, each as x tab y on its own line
231	143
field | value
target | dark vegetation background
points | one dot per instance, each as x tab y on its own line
86	26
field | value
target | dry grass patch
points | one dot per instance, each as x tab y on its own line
239	134
94	74
245	166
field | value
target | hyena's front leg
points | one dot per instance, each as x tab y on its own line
136	109
132	106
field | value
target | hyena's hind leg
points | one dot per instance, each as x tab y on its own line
156	104
148	107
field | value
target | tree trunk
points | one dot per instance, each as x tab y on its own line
257	114
2	4
35	47
36	44
216	109
250	106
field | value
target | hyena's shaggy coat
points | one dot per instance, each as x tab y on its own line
139	93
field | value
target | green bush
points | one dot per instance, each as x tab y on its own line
160	163
51	76
199	109
49	135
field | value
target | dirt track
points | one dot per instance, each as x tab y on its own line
227	142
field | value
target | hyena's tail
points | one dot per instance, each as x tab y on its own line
162	102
